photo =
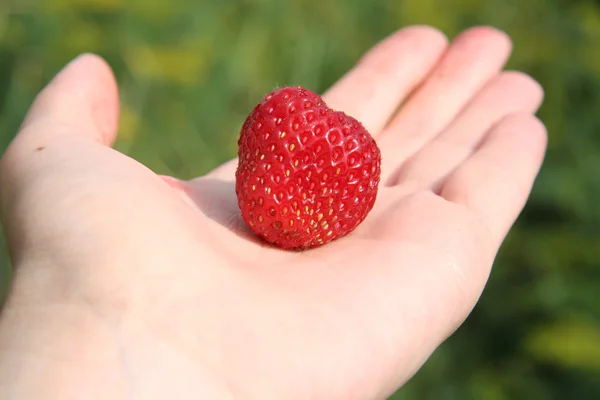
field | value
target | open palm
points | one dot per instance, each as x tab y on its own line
176	297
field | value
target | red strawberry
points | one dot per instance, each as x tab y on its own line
307	174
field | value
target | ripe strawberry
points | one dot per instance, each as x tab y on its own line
307	174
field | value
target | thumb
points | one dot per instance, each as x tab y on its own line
75	116
83	95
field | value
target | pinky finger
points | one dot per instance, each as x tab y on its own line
495	182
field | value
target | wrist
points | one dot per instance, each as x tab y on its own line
58	352
55	352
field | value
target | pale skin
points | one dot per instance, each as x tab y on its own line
131	285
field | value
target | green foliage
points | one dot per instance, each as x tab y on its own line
189	71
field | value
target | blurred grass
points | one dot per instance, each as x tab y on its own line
189	71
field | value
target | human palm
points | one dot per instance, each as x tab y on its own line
151	287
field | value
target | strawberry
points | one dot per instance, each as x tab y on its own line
306	174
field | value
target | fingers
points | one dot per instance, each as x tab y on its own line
372	90
380	81
508	93
496	180
386	75
82	96
475	56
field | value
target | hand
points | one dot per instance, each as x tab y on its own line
130	285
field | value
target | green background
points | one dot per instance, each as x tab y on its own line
189	71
